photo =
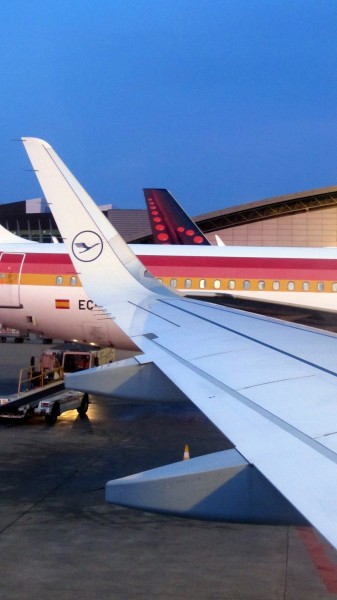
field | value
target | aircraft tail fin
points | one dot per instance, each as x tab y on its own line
170	224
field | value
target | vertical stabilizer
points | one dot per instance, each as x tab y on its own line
170	224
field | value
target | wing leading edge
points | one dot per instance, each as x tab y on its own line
267	385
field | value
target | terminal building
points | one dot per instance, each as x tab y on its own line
302	219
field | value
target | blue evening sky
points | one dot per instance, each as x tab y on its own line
220	101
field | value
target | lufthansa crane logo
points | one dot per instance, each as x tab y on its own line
87	246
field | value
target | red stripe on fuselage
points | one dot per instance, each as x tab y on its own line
201	266
241	267
48	264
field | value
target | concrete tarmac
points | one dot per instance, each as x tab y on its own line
59	539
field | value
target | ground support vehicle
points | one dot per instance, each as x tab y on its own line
10	333
41	388
49	401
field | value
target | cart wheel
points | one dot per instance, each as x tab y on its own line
52	418
84	405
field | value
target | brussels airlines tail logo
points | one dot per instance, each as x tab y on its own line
87	246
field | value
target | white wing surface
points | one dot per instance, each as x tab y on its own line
269	386
7	237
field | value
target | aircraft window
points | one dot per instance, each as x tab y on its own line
188	283
160	280
246	285
59	280
2	275
202	284
261	285
217	284
173	283
231	284
334	286
276	285
73	280
305	286
291	286
320	286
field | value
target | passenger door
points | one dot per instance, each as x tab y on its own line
10	276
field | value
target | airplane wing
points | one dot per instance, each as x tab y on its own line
170	224
269	386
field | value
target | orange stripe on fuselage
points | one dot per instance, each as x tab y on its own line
48	279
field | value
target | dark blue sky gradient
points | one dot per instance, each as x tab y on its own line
221	101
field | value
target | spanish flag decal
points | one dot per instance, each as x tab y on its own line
62	304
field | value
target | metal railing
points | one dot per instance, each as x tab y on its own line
29	378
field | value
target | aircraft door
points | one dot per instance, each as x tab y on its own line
10	276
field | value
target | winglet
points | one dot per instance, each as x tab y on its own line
219	240
90	238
